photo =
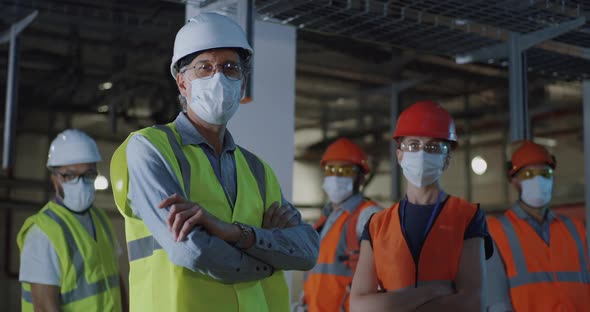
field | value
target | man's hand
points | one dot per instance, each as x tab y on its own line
280	217
185	215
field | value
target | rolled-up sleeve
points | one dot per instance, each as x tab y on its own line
151	180
294	248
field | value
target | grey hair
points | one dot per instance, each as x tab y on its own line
245	58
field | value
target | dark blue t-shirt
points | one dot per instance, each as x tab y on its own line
415	222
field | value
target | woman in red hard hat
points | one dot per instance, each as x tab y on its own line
427	252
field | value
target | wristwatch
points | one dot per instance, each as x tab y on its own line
246	230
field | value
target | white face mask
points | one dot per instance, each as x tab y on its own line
337	188
215	100
421	168
78	196
536	192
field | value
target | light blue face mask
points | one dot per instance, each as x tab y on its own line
78	196
536	192
337	188
216	99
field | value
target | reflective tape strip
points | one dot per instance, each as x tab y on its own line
106	228
83	288
257	169
185	167
74	254
514	243
573	277
26	295
337	268
524	278
579	245
142	248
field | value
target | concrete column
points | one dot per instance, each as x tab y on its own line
395	169
519	117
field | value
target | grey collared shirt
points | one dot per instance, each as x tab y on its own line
333	212
498	290
151	180
541	228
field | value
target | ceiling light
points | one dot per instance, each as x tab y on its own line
105	85
461	22
479	165
101	183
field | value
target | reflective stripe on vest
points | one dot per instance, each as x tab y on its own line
83	288
145	247
335	266
338	266
524	277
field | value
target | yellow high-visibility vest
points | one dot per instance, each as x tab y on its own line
155	283
89	267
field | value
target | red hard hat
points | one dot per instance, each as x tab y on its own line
426	119
530	153
345	150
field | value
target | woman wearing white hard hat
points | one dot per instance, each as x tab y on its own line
207	226
68	249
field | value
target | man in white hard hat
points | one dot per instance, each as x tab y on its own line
69	259
207	226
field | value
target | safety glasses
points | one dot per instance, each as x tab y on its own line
206	70
71	178
435	147
526	174
340	170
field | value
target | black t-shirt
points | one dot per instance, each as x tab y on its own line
415	222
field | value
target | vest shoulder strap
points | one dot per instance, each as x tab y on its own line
352	239
254	163
258	170
185	166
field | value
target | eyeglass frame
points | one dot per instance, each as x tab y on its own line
76	177
422	145
244	70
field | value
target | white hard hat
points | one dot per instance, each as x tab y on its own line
72	147
208	31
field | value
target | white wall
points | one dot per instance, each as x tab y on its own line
266	125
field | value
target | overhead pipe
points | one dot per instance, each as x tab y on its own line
10	115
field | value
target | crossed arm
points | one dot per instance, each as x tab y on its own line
467	295
469	284
207	247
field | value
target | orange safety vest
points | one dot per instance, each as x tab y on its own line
438	261
327	286
544	277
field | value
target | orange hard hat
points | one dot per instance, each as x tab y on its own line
426	119
345	150
530	153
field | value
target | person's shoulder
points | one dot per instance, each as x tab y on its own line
385	213
139	143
